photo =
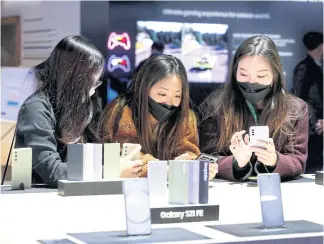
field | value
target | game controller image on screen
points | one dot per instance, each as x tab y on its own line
118	63
168	33
205	52
119	40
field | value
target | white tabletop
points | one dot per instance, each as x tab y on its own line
26	218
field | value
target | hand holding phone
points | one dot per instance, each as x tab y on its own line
266	153
213	166
262	145
211	158
131	151
130	169
130	163
257	134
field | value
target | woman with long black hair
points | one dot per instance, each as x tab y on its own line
63	109
255	95
154	112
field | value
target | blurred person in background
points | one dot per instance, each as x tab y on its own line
63	110
154	112
254	95
308	85
156	49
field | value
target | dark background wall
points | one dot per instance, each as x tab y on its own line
290	20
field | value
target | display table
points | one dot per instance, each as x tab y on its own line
26	218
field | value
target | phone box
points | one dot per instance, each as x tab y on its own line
111	161
80	162
157	176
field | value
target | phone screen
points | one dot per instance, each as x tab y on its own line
271	200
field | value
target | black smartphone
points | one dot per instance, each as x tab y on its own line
211	158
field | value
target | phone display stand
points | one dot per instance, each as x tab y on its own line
319	180
87	188
85	173
256	229
159	235
187	196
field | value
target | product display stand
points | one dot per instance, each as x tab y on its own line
319	177
88	188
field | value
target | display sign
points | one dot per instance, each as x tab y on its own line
183	214
119	40
16	85
122	63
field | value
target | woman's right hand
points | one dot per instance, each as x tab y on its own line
240	148
130	168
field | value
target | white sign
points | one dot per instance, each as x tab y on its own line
16	85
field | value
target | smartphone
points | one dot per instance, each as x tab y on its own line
137	206
129	148
21	177
258	133
210	158
271	200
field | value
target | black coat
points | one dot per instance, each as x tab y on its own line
308	85
36	128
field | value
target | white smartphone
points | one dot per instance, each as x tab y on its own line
21	177
271	200
258	133
137	206
128	148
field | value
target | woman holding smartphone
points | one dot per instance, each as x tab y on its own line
154	112
63	110
255	95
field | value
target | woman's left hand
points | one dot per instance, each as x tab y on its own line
213	170
184	156
266	155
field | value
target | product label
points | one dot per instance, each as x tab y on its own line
182	214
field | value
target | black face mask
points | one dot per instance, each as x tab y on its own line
160	111
254	92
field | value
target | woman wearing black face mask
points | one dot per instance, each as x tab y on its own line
154	112
255	95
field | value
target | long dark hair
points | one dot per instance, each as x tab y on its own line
228	105
66	77
156	69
